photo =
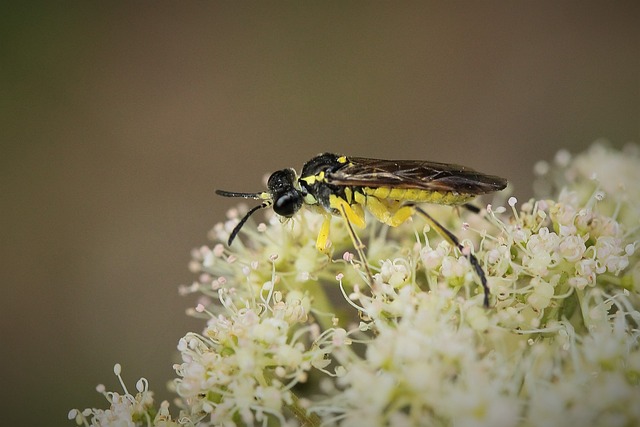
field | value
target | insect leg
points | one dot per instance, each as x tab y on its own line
471	208
383	211
451	238
357	243
323	235
352	215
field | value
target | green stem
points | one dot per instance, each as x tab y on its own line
306	419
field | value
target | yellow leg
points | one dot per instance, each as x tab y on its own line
357	243
378	209
323	235
387	213
401	215
354	214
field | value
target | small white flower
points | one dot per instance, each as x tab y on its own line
572	248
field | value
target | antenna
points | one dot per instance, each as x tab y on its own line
243	195
237	228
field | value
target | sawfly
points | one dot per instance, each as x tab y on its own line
390	190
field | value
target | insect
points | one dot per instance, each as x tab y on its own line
390	190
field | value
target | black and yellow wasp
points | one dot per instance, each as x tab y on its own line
389	189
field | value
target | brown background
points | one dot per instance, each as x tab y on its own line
119	120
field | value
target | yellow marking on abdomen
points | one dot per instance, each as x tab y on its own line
417	195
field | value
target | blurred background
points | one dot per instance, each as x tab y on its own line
119	119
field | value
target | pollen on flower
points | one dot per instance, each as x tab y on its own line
218	250
347	256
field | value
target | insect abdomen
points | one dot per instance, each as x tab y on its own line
417	195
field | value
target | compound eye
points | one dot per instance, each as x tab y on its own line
287	204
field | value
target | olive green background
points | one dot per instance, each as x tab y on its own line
119	119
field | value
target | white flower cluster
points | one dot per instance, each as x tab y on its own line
294	337
247	360
426	364
126	410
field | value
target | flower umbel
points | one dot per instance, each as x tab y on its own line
293	337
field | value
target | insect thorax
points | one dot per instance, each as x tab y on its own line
313	183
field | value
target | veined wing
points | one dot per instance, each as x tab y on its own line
414	174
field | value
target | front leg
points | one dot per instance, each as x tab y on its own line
322	242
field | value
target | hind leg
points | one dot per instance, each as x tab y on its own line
387	213
452	239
